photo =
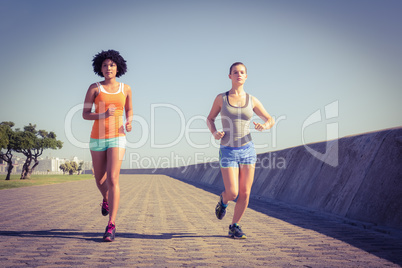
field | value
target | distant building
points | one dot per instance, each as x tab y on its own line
52	164
17	163
46	165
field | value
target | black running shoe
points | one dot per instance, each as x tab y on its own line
236	232
220	210
105	208
110	233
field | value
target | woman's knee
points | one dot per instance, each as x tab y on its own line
100	177
231	194
113	180
244	194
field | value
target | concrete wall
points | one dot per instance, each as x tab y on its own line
366	185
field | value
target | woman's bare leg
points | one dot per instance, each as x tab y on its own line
99	159
114	160
230	178
246	178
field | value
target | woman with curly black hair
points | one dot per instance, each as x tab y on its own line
107	143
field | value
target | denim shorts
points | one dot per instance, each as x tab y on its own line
104	144
235	156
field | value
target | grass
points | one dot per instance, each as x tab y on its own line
15	181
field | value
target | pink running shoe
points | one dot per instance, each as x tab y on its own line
110	233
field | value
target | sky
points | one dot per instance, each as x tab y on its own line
322	69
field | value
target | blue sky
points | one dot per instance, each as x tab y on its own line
302	56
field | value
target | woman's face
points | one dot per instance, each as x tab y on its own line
109	69
238	74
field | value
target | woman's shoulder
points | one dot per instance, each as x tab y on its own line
222	95
126	88
94	85
219	99
93	88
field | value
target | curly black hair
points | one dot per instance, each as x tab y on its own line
112	55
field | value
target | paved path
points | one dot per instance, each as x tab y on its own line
164	222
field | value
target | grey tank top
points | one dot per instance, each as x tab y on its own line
236	122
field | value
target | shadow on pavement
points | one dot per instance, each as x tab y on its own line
383	245
60	233
97	237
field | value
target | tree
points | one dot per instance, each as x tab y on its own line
70	167
29	142
80	167
32	143
6	143
24	142
44	140
63	167
3	137
73	167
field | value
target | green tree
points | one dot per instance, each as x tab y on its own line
24	142
70	167
63	167
3	137
44	140
31	143
6	144
81	164
74	167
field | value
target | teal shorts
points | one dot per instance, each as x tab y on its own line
104	144
235	156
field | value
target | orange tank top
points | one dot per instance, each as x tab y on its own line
112	126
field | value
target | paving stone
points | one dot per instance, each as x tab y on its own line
164	222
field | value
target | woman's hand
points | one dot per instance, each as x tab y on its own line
258	126
219	135
128	126
261	127
110	111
